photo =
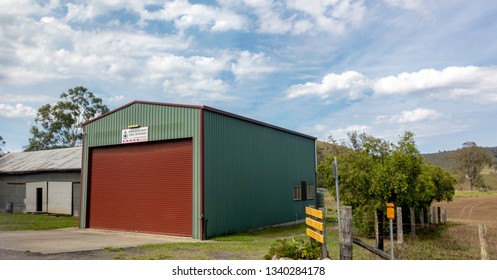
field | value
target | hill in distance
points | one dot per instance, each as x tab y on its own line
442	159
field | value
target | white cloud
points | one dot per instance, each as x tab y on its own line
49	49
195	76
416	115
342	133
331	16
19	98
26	7
302	16
204	89
90	9
270	16
173	66
251	66
471	83
186	15
349	84
405	4
117	99
18	111
477	83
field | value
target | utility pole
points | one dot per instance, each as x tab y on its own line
335	174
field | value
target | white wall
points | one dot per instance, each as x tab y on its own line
60	198
31	196
56	197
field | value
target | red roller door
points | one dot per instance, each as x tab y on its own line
143	187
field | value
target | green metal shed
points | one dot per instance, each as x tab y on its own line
192	171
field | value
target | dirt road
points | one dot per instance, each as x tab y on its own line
472	210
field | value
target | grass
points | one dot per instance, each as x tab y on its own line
20	221
453	241
251	245
465	194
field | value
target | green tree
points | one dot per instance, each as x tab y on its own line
2	144
470	161
434	184
59	125
373	172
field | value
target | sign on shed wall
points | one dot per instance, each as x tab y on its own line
134	135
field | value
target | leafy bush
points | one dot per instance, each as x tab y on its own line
296	249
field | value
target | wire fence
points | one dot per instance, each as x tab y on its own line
469	240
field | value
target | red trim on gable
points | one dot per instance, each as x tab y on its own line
207	108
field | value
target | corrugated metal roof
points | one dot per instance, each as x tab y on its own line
48	160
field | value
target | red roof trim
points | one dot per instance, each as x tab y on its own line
207	108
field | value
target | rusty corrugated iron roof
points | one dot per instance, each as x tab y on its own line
48	160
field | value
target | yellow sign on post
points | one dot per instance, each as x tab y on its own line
314	212
314	224
314	235
390	211
317	228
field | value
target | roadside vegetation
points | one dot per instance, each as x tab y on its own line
373	172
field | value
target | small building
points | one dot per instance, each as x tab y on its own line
192	171
41	182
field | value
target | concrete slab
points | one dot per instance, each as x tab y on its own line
75	239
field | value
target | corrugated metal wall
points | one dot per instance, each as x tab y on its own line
164	123
249	174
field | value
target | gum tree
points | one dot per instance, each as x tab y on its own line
470	161
59	125
2	144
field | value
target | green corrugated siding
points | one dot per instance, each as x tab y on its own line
249	174
164	123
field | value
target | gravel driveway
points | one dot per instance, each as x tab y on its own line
81	255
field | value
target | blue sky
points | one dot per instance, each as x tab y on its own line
320	67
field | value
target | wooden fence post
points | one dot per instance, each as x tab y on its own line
379	219
434	215
400	230
422	217
429	217
413	220
444	215
346	234
482	234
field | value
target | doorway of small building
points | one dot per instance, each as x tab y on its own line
39	199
